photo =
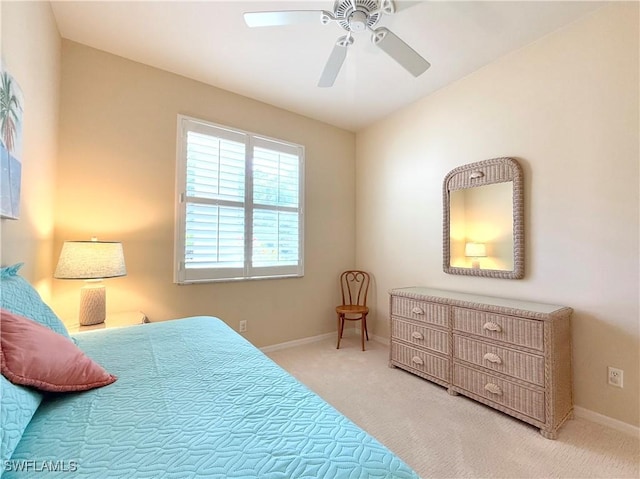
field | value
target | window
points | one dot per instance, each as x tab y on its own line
240	205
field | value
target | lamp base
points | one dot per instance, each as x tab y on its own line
92	304
475	264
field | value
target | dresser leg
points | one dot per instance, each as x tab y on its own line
452	392
549	434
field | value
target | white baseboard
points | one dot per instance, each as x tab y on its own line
579	411
296	342
606	421
381	339
314	339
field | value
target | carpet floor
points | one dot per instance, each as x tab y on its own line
443	436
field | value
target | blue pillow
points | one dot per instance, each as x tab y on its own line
19	403
17	406
19	297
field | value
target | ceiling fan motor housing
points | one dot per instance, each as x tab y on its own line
356	19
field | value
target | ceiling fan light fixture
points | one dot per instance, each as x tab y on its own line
358	21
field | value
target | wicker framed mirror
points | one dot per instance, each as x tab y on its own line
483	219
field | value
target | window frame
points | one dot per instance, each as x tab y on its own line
248	272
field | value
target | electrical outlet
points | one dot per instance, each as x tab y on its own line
243	326
615	377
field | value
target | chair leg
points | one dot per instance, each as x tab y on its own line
362	332
340	327
364	322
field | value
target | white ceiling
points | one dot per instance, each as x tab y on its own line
209	41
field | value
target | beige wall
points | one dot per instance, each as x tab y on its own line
31	52
567	108
116	174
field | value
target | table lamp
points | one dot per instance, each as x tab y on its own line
92	261
475	251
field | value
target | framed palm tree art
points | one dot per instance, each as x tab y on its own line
11	109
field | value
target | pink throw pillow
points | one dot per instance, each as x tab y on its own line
33	355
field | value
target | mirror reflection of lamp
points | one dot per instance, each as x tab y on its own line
475	251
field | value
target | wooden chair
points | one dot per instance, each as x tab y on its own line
355	286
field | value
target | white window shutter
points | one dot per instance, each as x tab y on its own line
241	211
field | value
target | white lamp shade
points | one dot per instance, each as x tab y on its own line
475	250
91	260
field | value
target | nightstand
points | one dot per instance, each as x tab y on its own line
118	320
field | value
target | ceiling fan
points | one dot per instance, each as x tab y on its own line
354	16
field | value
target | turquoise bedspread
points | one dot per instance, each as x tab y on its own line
194	399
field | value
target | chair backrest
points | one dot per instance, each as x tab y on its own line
355	286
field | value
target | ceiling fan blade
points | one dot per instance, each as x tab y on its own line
335	61
397	49
286	17
401	5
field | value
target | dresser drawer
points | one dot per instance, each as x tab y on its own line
522	332
525	366
505	393
422	336
432	313
420	360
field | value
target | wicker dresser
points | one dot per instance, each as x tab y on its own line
514	356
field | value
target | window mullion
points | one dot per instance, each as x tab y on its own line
248	209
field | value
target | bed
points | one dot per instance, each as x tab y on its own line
193	399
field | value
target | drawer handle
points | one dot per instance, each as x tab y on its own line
417	360
493	389
491	326
492	358
417	335
417	310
